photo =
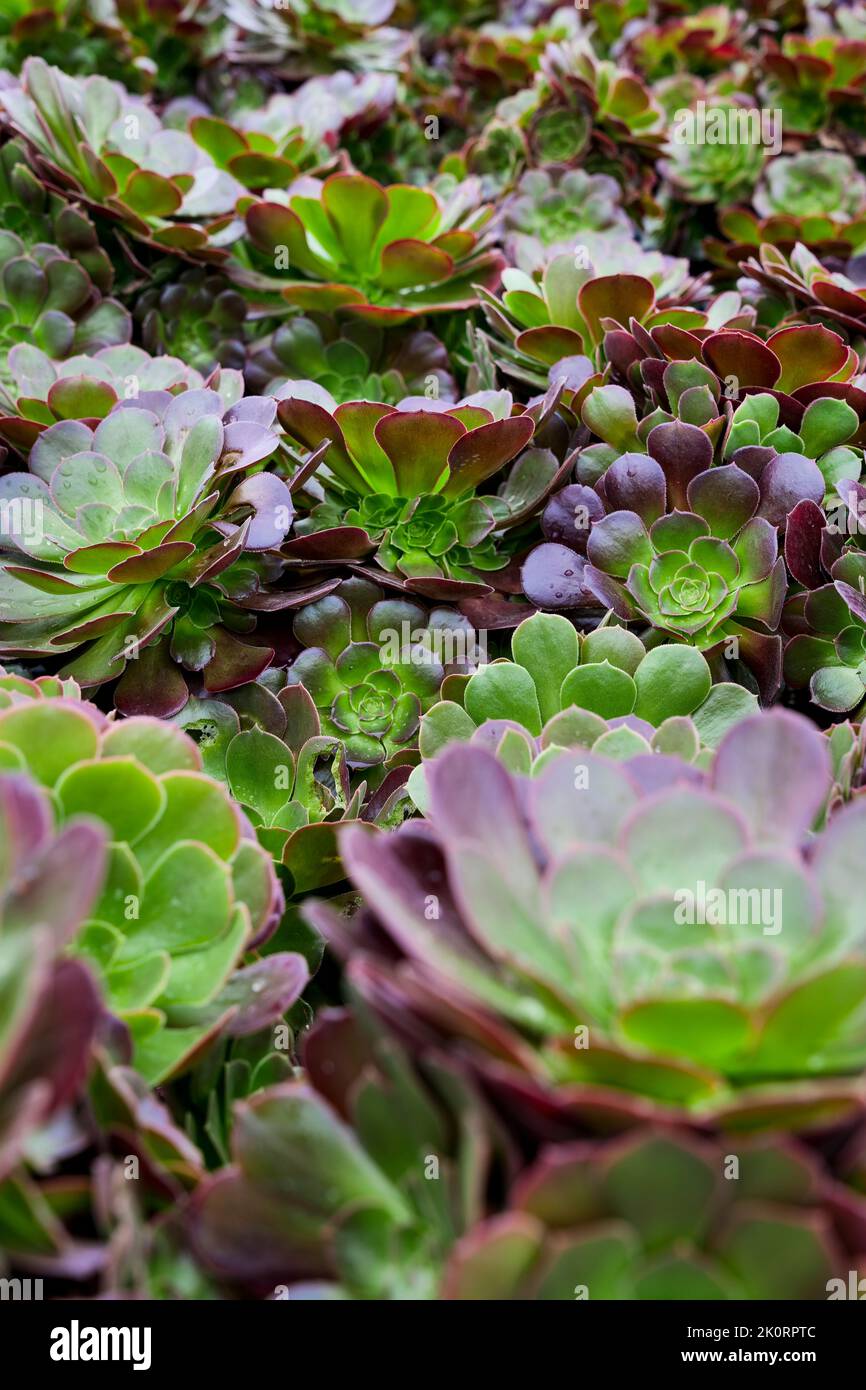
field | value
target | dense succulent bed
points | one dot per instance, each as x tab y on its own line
433	627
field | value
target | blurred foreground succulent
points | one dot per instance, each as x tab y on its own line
658	1217
49	883
651	1215
310	1208
187	890
717	966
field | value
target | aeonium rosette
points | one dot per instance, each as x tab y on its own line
610	940
90	137
136	544
40	391
385	254
693	553
404	481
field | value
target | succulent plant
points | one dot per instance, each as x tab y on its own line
789	464
799	363
533	716
804	279
405	480
381	254
127	40
554	206
187	890
710	158
372	666
198	317
579	215
354	361
743	234
371	1230
607	672
718	971
91	138
321	113
49	883
49	301
826	619
570	311
656	1216
501	58
581	103
824	434
39	217
42	392
828	653
295	785
648	1215
816	80
310	36
706	572
134	544
812	185
701	43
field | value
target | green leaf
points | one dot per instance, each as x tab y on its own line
445	723
609	412
50	738
671	680
291	1143
135	984
260	771
614	644
119	791
808	1018
725	706
826	423
504	691
600	688
186	904
197	976
546	645
194	805
837	688
665	1190
159	746
708	1031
